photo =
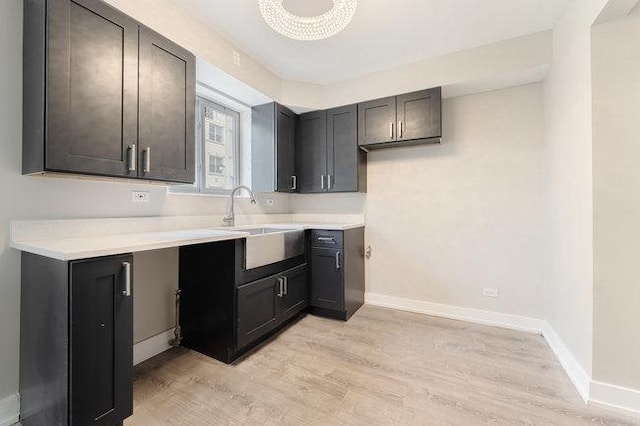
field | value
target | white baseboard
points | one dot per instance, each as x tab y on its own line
479	316
9	410
578	376
614	397
151	347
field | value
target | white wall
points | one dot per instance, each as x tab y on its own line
568	262
616	180
446	220
41	197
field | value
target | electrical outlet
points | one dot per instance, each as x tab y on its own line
140	197
490	292
236	58
270	202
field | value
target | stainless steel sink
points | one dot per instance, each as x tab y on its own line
267	245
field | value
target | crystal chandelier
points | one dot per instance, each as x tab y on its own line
308	27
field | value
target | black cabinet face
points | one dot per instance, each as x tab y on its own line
311	152
167	110
342	149
101	341
257	309
419	115
92	88
327	278
295	296
377	121
286	179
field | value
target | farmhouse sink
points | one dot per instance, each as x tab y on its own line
270	244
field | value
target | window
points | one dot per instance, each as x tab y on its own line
217	149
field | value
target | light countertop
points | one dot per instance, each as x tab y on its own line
70	245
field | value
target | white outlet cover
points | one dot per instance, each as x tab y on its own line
490	292
140	196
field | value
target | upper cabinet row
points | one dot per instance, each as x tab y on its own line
325	151
104	95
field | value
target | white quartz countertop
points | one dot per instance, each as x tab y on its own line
105	245
93	238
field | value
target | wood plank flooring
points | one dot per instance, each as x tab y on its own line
383	367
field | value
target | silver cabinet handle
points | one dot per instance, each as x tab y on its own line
337	260
286	285
391	130
127	279
327	240
400	128
281	287
329	181
132	158
147	160
321	181
294	182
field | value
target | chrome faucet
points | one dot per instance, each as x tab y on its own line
230	218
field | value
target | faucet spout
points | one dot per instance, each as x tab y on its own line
230	218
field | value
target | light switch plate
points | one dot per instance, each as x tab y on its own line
490	292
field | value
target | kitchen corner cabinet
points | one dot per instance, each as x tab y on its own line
328	158
337	272
104	96
409	119
273	131
76	341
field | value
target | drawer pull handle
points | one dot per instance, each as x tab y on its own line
127	279
331	240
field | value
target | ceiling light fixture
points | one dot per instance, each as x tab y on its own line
308	27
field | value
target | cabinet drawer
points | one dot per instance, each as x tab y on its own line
326	239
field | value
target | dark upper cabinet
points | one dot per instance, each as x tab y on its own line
94	82
311	150
76	345
285	150
273	156
167	109
376	121
328	158
419	115
410	119
347	165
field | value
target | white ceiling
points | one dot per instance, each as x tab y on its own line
384	34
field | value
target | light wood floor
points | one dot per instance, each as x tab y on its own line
383	367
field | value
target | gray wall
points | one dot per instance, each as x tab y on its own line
44	197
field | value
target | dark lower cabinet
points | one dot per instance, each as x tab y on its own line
265	304
222	315
76	345
337	272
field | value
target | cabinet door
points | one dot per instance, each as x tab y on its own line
295	296
419	115
101	341
92	88
311	151
167	110
342	148
327	279
376	121
258	306
285	150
